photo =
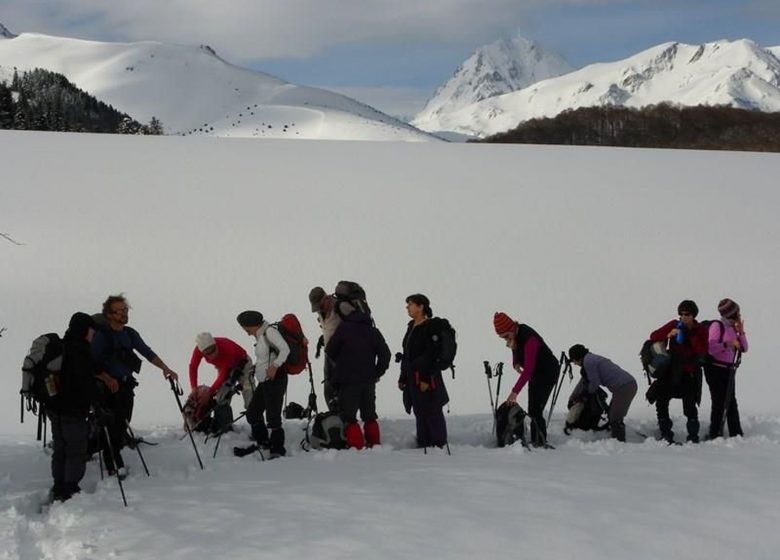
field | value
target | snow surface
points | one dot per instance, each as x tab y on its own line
194	91
502	67
586	245
736	73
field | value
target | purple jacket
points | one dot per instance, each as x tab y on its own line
721	333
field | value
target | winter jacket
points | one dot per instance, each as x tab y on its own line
359	351
270	347
78	384
531	357
419	365
688	356
722	332
229	355
114	351
600	371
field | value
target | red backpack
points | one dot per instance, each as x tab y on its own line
290	329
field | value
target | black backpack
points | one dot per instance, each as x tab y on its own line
351	294
655	359
327	432
510	424
41	372
589	416
445	340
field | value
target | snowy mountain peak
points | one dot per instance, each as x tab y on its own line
5	33
193	91
738	73
501	67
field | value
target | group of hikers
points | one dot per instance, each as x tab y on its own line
95	379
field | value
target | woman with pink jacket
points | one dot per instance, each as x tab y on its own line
726	338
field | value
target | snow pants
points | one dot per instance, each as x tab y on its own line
69	457
718	382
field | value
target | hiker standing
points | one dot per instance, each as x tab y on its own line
234	370
537	366
77	391
360	357
324	305
420	379
726	337
597	371
271	351
687	343
114	348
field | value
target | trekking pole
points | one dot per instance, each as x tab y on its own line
499	373
223	431
489	375
21	408
730	389
116	469
312	404
137	445
177	392
566	365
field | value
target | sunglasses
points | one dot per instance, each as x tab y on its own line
686	314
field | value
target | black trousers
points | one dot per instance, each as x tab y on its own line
69	457
718	382
686	389
268	400
357	396
120	405
539	388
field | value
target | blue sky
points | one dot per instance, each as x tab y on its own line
395	52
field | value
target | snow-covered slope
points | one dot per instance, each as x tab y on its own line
192	90
501	67
775	51
586	245
739	73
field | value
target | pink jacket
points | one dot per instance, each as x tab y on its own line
721	333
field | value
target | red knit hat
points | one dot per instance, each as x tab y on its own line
503	323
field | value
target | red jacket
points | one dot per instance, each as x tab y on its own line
689	355
229	355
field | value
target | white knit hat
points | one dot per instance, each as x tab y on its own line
204	340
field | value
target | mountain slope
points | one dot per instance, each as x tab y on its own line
501	67
194	91
5	33
740	74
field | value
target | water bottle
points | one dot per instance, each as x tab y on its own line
680	333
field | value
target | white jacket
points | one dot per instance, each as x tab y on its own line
270	344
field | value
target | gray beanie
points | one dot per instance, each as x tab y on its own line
316	295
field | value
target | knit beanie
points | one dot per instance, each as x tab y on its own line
728	309
204	341
316	295
250	318
688	306
503	323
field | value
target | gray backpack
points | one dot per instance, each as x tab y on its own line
327	432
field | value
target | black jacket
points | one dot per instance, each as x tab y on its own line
419	365
358	350
77	389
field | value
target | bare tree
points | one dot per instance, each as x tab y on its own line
7	237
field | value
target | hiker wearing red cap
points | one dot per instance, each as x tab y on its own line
537	366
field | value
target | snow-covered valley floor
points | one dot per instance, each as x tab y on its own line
589	498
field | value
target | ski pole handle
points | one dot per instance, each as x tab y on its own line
488	370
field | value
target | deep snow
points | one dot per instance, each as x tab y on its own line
587	245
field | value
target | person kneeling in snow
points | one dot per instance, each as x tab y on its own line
360	357
597	371
234	373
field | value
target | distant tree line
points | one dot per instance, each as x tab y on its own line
656	126
44	100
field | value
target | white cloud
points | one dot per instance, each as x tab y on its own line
252	29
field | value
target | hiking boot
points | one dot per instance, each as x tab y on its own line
371	430
244	451
692	439
354	436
